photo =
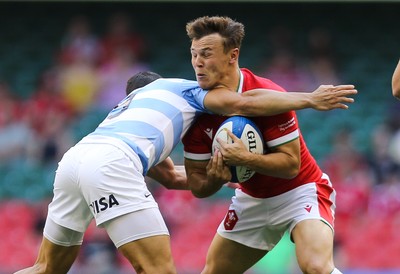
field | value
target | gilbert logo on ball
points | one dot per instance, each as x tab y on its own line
247	131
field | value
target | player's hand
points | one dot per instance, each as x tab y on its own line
234	153
327	97
217	171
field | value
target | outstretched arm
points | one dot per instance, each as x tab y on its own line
264	102
169	175
396	81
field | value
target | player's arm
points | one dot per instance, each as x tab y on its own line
282	161
169	175
207	177
396	81
264	102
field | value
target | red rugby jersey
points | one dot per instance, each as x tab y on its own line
276	131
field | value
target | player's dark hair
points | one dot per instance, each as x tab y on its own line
231	31
140	80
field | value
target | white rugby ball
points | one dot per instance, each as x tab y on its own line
247	131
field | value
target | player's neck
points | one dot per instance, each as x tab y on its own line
232	79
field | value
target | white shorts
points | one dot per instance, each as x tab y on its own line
97	181
123	229
261	223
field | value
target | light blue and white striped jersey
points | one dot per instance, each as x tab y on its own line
151	120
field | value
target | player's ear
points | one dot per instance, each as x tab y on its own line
234	55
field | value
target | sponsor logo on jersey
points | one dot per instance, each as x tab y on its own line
230	220
308	208
103	204
288	124
209	132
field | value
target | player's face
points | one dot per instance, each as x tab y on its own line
209	61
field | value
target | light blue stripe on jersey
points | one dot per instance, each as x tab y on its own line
139	130
167	109
152	119
187	89
142	129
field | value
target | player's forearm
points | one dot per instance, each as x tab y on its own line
170	176
277	165
201	187
173	183
268	102
263	102
178	180
283	164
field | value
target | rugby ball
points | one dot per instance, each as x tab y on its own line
247	131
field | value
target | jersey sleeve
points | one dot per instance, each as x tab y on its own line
279	129
195	97
197	141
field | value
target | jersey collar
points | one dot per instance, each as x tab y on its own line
241	79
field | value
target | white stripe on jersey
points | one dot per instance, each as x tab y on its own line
159	121
150	116
196	156
284	139
153	119
164	95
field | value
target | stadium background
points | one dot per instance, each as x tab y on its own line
359	147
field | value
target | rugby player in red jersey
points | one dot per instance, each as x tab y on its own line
289	192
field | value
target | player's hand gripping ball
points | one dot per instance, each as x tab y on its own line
247	131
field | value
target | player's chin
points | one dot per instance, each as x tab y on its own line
203	83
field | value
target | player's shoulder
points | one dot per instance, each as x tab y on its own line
252	81
172	84
177	81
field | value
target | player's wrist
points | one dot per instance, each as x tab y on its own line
307	100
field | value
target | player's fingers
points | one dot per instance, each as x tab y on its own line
221	143
346	92
341	87
216	149
346	100
217	160
220	161
342	106
209	164
343	101
217	156
232	136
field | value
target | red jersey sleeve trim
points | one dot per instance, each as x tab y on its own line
197	157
